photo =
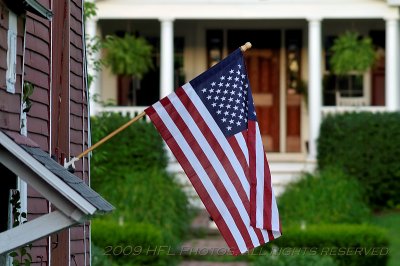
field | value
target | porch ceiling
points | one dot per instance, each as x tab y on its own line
294	9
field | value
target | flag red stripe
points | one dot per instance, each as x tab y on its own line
223	157
214	143
267	215
206	164
251	143
239	153
194	179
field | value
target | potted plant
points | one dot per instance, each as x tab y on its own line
127	56
352	56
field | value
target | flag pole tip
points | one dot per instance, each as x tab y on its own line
245	47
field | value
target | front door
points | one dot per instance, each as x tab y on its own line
262	62
263	70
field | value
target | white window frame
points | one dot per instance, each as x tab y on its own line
11	74
364	100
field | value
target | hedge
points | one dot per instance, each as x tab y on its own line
326	197
130	244
152	197
347	244
130	172
366	146
294	260
139	147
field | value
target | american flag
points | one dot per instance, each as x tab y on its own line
210	125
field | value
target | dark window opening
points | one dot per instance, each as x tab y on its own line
8	182
145	92
333	85
215	44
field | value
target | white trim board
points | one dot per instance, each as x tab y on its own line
33	230
40	178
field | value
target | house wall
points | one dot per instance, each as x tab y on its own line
37	63
9	113
69	116
195	59
36	69
78	128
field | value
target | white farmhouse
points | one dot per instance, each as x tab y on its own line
293	85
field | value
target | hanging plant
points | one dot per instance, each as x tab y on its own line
28	91
128	56
352	54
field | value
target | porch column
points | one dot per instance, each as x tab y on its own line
167	57
315	84
94	90
392	65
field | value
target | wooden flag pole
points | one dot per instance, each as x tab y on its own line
244	47
112	134
103	140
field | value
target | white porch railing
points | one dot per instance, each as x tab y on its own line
130	111
282	170
330	110
133	111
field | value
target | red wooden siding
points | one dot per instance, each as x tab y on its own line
53	63
3	45
78	126
60	137
37	71
10	103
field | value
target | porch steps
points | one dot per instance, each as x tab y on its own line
282	173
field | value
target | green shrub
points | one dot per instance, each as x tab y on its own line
99	258
366	146
327	197
130	172
347	244
131	243
137	148
150	197
294	260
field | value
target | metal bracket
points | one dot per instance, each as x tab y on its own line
71	164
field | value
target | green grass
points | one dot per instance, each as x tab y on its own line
391	222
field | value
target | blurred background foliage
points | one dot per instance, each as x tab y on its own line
130	172
329	196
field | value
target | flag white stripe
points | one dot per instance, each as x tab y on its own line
260	180
216	163
222	140
196	165
265	235
242	144
219	136
275	213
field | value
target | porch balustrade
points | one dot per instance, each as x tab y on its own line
133	111
331	110
130	111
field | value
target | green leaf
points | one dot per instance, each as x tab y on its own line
13	254
129	56
29	256
352	53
